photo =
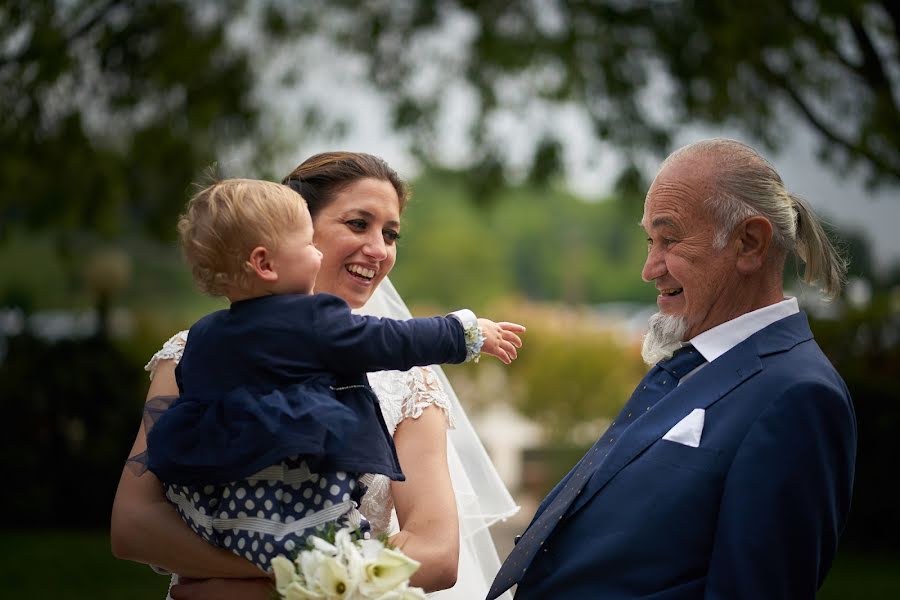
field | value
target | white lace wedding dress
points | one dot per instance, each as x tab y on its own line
481	497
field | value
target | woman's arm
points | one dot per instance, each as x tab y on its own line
146	528
425	502
223	589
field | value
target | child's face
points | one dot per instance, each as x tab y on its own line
297	260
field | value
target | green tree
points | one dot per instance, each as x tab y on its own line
539	242
864	346
110	109
641	70
572	378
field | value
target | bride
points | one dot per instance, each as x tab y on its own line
440	515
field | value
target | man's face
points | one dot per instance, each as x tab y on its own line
695	280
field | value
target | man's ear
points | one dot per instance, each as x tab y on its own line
261	265
754	238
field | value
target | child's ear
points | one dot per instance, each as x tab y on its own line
260	264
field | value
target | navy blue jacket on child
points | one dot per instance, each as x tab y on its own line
285	375
276	421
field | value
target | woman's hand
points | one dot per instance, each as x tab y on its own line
501	339
260	588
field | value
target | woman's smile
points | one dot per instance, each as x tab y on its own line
361	273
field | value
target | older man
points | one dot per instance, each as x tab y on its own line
728	474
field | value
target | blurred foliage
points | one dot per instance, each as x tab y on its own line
110	109
639	70
29	284
541	242
575	374
36	276
864	346
73	408
578	367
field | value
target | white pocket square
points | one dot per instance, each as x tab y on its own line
688	430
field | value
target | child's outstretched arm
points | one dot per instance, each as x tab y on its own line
348	342
501	339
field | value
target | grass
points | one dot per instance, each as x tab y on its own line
72	564
78	565
862	577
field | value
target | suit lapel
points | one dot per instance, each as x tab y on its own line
702	390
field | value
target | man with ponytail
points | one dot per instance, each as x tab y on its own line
729	472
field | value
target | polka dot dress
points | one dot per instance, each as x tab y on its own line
270	513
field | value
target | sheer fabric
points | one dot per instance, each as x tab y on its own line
481	496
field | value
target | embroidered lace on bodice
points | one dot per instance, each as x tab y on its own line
401	394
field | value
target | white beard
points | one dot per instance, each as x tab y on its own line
665	335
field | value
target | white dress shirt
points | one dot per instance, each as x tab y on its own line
715	342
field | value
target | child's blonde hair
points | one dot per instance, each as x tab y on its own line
224	222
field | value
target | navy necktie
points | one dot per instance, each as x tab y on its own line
661	380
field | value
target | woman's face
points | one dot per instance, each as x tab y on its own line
357	234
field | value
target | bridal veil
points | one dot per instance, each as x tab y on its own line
481	496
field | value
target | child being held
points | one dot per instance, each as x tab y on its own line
275	421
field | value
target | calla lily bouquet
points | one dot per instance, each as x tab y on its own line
343	566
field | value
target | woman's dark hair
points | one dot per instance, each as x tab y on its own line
322	176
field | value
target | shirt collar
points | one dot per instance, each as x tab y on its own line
715	342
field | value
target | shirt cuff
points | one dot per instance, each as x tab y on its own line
472	332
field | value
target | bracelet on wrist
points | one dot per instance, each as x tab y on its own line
472	333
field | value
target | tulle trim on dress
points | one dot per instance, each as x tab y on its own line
199	440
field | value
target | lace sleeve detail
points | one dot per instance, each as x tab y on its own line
401	395
171	350
425	390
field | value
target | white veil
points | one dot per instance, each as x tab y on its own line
481	496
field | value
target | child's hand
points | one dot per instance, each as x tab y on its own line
500	339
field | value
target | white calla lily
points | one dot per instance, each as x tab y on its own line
308	561
370	549
350	568
323	546
388	571
285	572
334	580
352	557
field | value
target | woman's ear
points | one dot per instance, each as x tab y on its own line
754	238
260	264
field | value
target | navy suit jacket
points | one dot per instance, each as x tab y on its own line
754	512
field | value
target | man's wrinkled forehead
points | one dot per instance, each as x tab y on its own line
678	193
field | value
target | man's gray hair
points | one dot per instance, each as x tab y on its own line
747	185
